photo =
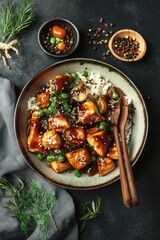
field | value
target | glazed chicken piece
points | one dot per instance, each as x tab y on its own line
105	166
113	152
75	136
90	131
100	142
58	83
88	113
60	122
43	99
51	139
59	167
35	134
79	158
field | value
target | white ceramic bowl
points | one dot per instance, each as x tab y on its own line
68	180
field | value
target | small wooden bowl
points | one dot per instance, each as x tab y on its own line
133	34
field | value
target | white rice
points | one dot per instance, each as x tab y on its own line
96	83
32	104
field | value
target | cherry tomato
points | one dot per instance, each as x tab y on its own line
58	32
61	46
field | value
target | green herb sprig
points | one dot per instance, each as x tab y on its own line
43	204
34	204
90	210
13	20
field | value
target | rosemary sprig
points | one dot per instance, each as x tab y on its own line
90	210
6	21
14	19
35	204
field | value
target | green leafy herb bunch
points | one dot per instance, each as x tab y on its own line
30	204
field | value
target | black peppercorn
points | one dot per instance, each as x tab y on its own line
126	47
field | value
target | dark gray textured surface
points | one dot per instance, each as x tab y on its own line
115	222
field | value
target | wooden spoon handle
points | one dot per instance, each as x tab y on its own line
123	178
122	124
130	176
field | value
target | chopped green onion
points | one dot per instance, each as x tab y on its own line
51	157
64	95
46	112
52	99
84	73
41	113
54	105
74	75
72	85
115	96
76	173
61	157
102	126
40	156
51	108
66	107
69	75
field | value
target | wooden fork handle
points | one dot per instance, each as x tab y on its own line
123	178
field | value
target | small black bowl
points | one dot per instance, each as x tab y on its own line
61	22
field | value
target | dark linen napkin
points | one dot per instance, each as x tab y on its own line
13	164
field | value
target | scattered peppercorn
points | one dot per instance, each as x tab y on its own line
126	47
107	53
99	35
101	20
106	24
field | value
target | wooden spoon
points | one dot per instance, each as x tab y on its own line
123	178
122	124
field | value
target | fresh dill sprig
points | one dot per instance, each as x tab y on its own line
43	204
14	19
16	204
33	204
90	210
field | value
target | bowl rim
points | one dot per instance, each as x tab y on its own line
82	60
63	20
129	31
